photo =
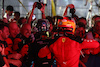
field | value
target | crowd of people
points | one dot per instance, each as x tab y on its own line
60	38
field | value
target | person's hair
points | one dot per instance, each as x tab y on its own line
20	20
2	25
9	8
80	24
82	18
17	13
97	22
95	16
75	18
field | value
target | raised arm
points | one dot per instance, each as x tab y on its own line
68	6
89	42
43	10
31	14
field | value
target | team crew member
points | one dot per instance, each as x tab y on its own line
4	33
94	53
41	39
22	42
66	50
8	14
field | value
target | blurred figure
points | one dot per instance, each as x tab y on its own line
22	42
16	17
94	57
14	30
4	33
83	20
94	19
72	12
24	35
41	7
41	39
13	57
31	15
66	49
9	11
72	9
81	34
26	30
8	49
80	30
51	32
21	21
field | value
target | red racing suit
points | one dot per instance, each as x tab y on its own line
67	51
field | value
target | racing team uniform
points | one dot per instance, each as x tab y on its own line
93	53
66	50
2	63
34	48
21	45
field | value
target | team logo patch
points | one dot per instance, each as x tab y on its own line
63	40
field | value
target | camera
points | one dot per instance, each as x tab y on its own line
39	5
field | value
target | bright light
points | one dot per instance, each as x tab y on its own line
59	8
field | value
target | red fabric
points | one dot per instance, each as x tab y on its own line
33	65
43	52
71	48
70	6
87	51
95	50
67	51
85	59
8	50
24	50
9	41
16	41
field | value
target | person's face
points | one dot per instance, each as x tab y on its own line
80	32
26	31
5	33
14	30
9	12
97	28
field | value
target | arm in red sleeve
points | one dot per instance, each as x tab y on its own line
70	6
43	52
65	13
43	11
89	44
31	15
16	41
94	50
